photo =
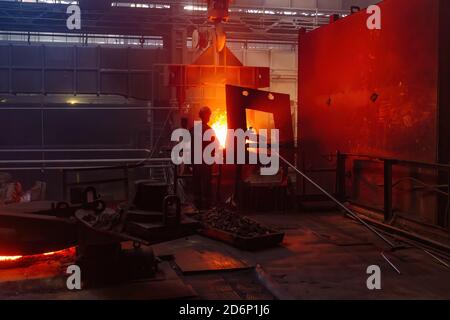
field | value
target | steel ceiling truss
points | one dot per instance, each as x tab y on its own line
245	23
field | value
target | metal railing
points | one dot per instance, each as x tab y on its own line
388	185
75	166
43	162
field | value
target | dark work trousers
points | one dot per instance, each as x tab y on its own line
202	176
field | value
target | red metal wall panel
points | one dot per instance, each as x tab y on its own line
444	81
345	66
382	93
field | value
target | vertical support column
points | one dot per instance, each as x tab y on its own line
447	211
75	70
99	67
128	73
176	39
150	112
443	202
43	53
64	185
42	100
388	190
126	182
340	176
10	68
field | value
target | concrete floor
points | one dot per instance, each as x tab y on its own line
323	256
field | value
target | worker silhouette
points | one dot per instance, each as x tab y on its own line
202	173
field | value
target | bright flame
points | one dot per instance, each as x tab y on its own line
219	125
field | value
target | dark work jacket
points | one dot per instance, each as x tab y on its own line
205	127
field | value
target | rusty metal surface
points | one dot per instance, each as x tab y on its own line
372	91
382	93
444	81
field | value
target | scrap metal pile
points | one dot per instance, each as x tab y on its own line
226	220
242	232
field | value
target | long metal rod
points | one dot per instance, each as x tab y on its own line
436	258
332	198
74	150
417	246
71	161
68	161
90	108
77	161
59	168
390	263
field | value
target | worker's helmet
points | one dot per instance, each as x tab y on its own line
204	111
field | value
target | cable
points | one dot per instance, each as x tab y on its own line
350	212
430	187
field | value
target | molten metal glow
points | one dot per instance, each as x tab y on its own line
219	125
15	258
9	258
